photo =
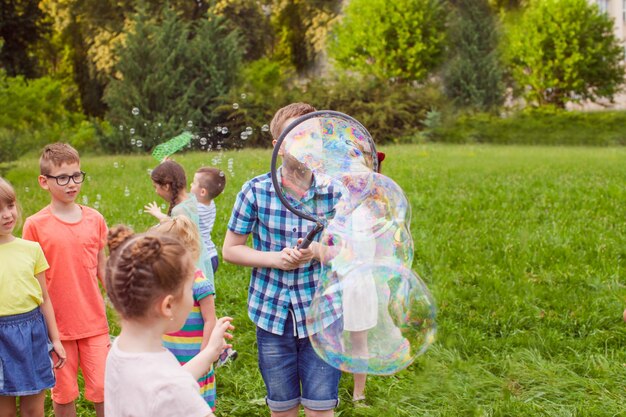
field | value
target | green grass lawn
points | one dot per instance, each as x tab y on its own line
523	248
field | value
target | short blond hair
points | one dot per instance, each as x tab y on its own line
55	155
286	113
183	229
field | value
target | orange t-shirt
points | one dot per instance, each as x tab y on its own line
72	252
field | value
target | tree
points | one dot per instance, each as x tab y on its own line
172	71
253	22
301	28
22	25
87	33
400	39
473	77
564	50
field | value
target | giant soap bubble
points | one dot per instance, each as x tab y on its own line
371	313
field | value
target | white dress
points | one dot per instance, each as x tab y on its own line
359	294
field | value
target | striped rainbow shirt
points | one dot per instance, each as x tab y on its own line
185	343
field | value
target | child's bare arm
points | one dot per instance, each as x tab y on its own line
237	252
207	309
153	209
102	261
48	314
201	363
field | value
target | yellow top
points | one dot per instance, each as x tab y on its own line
20	261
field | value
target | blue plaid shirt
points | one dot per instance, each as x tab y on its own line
273	292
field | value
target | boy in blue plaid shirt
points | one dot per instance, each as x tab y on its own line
282	286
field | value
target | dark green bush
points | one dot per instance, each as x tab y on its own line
33	114
391	112
600	128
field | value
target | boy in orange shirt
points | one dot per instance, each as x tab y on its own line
73	238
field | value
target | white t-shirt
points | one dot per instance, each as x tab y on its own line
151	384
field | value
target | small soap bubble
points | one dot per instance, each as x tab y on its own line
145	124
26	189
221	173
190	123
88	178
85	200
235	106
98	197
133	141
244	96
219	146
249	130
126	192
243	136
149	171
121	127
116	164
135	111
140	211
265	128
202	141
96	205
163	206
224	130
159	124
132	130
139	143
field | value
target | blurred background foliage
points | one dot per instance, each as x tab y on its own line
409	70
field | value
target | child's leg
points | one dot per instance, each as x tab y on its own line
66	389
64	410
359	350
93	353
7	406
32	405
358	392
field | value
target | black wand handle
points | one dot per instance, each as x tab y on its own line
306	242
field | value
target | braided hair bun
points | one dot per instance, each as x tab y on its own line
143	268
146	250
118	235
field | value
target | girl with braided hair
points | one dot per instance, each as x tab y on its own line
149	281
170	182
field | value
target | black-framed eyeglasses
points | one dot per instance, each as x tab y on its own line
65	179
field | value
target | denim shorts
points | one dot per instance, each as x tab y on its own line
25	362
293	373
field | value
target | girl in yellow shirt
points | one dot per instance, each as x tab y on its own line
28	330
